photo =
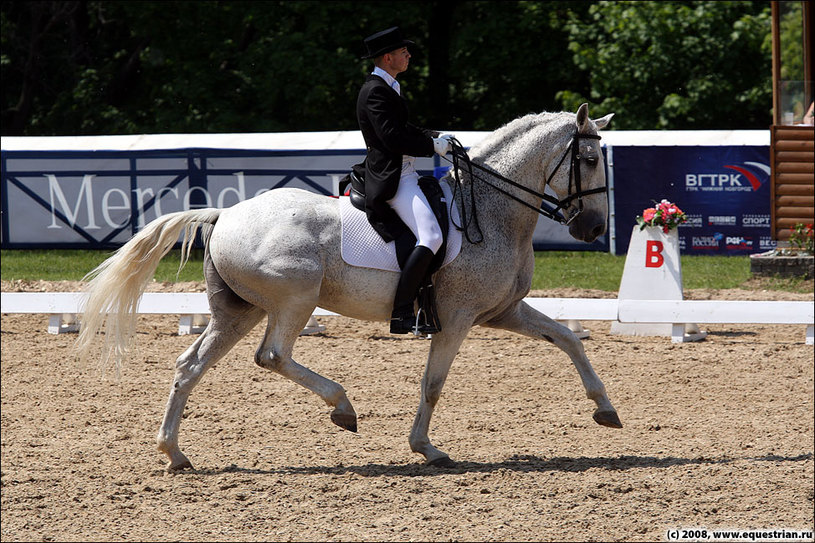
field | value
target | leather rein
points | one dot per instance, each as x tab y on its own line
555	213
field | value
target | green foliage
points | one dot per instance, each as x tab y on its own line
125	67
676	65
792	41
794	96
802	238
507	60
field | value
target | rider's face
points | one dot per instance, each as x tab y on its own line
397	61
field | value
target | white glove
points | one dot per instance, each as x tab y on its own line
441	145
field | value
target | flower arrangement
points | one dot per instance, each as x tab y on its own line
803	238
664	214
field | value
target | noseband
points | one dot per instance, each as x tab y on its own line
555	213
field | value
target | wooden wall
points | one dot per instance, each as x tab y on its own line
792	153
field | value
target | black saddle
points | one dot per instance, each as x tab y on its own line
406	241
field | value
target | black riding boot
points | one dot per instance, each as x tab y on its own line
403	319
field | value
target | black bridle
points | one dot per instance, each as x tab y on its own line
555	213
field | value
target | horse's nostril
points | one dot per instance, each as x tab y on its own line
598	231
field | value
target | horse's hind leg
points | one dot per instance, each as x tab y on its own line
211	346
274	353
525	320
232	318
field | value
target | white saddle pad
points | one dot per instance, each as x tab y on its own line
363	247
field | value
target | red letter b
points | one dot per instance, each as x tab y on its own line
653	254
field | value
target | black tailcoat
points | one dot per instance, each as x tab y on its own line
383	119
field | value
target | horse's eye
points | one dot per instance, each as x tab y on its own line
590	159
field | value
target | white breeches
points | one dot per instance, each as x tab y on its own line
410	204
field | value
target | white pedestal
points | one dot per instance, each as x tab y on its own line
653	271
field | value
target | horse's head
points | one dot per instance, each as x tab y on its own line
585	174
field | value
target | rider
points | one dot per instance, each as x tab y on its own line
391	183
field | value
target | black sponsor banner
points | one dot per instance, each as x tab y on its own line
724	190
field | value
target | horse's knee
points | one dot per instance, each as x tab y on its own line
269	360
187	373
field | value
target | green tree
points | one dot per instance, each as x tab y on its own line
791	57
185	66
507	59
125	67
676	65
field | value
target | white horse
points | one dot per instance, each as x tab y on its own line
277	256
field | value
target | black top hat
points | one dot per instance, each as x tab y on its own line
385	42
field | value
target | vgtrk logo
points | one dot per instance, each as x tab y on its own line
746	178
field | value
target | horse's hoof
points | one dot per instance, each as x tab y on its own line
186	464
442	462
343	420
607	418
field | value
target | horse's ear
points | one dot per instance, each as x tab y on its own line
582	117
602	122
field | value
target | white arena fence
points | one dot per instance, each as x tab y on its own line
63	308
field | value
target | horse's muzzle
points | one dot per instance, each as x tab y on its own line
588	226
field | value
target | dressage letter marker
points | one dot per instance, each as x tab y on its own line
652	271
653	254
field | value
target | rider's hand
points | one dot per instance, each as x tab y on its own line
441	145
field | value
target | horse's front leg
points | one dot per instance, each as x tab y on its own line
525	320
443	349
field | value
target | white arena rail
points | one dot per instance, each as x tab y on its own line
678	312
63	307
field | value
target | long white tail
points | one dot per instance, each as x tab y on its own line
117	283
